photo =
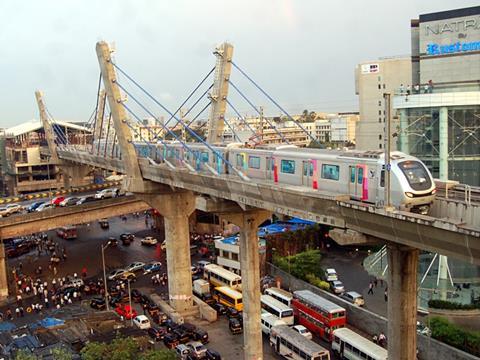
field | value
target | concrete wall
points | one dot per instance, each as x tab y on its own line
370	322
457	210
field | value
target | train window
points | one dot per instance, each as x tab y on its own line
382	178
288	166
360	176
352	174
307	168
204	156
239	160
254	162
270	163
330	172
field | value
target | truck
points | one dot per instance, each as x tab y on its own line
201	288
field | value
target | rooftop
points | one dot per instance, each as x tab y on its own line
35	124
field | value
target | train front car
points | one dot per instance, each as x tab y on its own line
413	188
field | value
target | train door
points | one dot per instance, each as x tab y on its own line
269	168
357	182
307	173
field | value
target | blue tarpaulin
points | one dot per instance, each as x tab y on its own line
50	322
7	326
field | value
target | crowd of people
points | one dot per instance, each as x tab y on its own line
417	88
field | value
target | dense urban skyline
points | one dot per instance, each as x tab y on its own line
50	46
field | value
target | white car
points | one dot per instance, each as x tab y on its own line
302	330
14	208
106	193
4	212
135	266
142	322
45	206
149	241
115	274
331	275
198	349
337	287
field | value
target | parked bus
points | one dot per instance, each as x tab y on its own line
281	295
218	276
293	345
67	232
317	314
276	308
268	321
228	297
352	346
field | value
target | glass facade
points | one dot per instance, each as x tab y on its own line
420	136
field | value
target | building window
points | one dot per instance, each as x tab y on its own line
379	102
379	119
330	172
379	146
254	162
234	256
288	166
380	137
379	112
384	86
239	160
379	86
204	157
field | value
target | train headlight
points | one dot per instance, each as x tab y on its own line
409	194
434	191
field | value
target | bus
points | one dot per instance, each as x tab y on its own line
317	314
281	295
268	321
292	345
276	308
228	297
67	232
352	346
218	276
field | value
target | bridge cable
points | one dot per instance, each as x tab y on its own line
198	114
259	113
241	117
273	101
243	176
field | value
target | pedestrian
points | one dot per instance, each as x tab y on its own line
381	282
75	275
370	288
417	88
22	311
17	312
84	272
19	299
375	339
46	303
402	89
408	89
9	314
382	339
385	294
54	270
375	282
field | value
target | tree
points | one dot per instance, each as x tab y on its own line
24	355
94	351
61	353
158	355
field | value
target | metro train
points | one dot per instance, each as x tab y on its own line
359	174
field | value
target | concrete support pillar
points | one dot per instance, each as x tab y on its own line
402	302
443	143
74	175
403	138
176	208
3	273
248	221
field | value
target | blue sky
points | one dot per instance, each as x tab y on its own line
302	52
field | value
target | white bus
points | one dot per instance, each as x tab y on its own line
268	321
276	308
218	276
281	295
292	345
352	346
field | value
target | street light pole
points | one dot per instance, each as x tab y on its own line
105	274
130	302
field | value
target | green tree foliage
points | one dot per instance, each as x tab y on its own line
123	349
455	336
24	355
62	354
301	264
451	305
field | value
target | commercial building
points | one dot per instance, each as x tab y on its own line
228	253
440	119
25	167
372	80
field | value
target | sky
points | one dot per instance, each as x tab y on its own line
302	52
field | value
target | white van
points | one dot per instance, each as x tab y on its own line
268	321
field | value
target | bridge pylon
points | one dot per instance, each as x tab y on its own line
218	96
47	127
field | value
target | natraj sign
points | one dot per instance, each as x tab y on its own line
458	47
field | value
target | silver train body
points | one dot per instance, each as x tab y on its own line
359	174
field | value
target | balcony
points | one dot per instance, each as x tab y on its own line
436	100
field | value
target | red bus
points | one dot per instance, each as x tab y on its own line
317	314
67	232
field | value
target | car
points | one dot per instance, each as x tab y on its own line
171	341
85	199
197	349
126	311
4	212
330	274
423	329
135	266
127	275
106	193
207	299
170	325
159	317
152	309
219	308
14	208
44	206
188	328
98	303
182	335
157	333
303	330
337	287
33	206
118	299
112	241
104	223
69	201
114	274
200	335
57	200
213	355
136	295
142	322
163	246
152	267
232	313
18	250
182	351
202	263
353	297
77	283
127	236
149	241
235	326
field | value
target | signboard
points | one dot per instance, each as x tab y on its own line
455	48
370	68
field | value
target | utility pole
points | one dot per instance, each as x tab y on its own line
261	125
388	143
